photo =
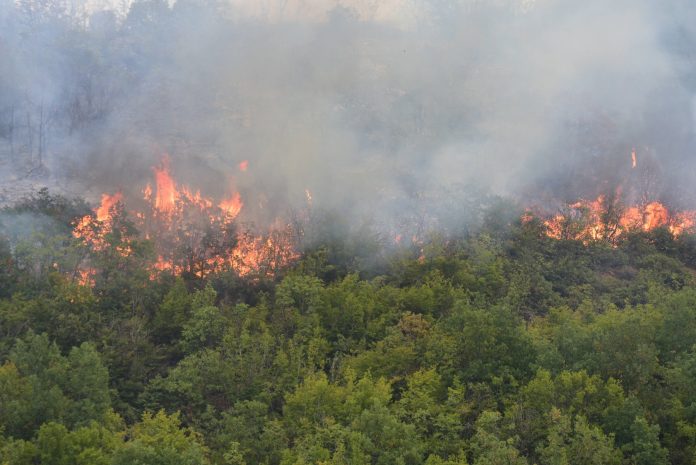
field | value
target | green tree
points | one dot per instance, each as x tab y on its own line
489	446
159	439
645	448
16	396
17	452
87	445
479	345
425	405
206	325
72	389
577	443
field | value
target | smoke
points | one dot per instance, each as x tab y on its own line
379	109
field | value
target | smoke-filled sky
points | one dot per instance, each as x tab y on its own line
372	105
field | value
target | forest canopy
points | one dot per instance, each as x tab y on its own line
500	345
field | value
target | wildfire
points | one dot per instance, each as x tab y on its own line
92	229
610	218
244	165
166	195
602	219
655	215
265	254
190	232
683	222
85	277
107	203
232	206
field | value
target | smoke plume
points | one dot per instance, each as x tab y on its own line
378	109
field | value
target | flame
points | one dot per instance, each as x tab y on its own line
190	233
632	218
600	219
107	203
195	198
655	215
634	161
683	222
166	195
232	206
244	165
93	228
262	254
85	277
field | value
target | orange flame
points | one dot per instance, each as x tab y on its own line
265	255
92	229
190	233
195	198
634	161
107	202
683	222
85	277
591	220
232	206
244	165
655	215
166	195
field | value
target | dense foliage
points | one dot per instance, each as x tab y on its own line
500	346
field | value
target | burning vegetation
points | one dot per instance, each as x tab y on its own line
189	233
610	216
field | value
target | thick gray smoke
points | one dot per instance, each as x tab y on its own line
379	109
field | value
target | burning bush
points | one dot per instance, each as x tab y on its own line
190	234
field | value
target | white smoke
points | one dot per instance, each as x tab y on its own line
372	105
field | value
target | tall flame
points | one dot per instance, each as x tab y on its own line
107	203
634	161
232	206
166	194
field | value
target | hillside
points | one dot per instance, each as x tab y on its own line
502	345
